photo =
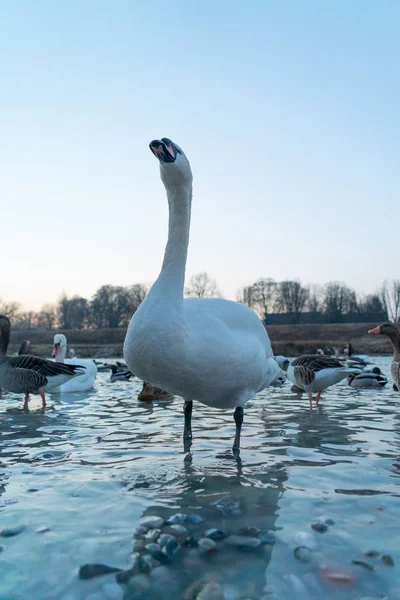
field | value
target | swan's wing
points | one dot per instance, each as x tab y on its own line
44	367
239	320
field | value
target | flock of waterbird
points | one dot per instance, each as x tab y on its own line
207	349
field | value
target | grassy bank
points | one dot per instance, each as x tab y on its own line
290	340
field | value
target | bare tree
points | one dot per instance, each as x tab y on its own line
73	313
339	300
291	297
47	317
111	306
314	298
203	286
26	320
390	297
264	293
10	309
138	293
245	295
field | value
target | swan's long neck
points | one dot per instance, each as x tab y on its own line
60	357
172	276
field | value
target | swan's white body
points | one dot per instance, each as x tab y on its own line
211	350
81	383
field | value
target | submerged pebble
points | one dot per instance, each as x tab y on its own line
211	591
152	522
302	554
11	531
90	571
216	534
251	531
371	553
319	527
42	529
152	535
388	560
179	532
207	546
203	589
337	574
363	564
243	542
182	519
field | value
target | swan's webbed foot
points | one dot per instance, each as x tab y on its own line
187	410
238	416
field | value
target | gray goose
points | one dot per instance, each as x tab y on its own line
25	374
392	332
316	372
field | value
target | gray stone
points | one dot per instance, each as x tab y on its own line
216	534
152	535
89	571
152	522
11	531
42	529
302	554
207	546
180	532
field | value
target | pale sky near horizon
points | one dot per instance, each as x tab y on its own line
288	112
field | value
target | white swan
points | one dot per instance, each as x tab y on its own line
212	350
83	382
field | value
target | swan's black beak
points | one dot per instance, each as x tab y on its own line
165	150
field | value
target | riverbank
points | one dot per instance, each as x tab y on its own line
290	340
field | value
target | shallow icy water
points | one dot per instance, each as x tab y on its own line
92	465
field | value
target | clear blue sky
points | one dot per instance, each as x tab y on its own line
288	112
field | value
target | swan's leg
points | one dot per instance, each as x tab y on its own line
310	399
187	410
238	416
26	400
318	398
43	399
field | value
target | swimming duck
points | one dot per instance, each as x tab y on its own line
372	378
150	393
118	374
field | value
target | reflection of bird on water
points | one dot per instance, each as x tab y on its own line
150	393
27	374
373	378
390	330
315	373
207	349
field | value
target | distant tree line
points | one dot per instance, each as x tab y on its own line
276	302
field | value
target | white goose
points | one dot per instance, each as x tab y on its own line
212	350
83	382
